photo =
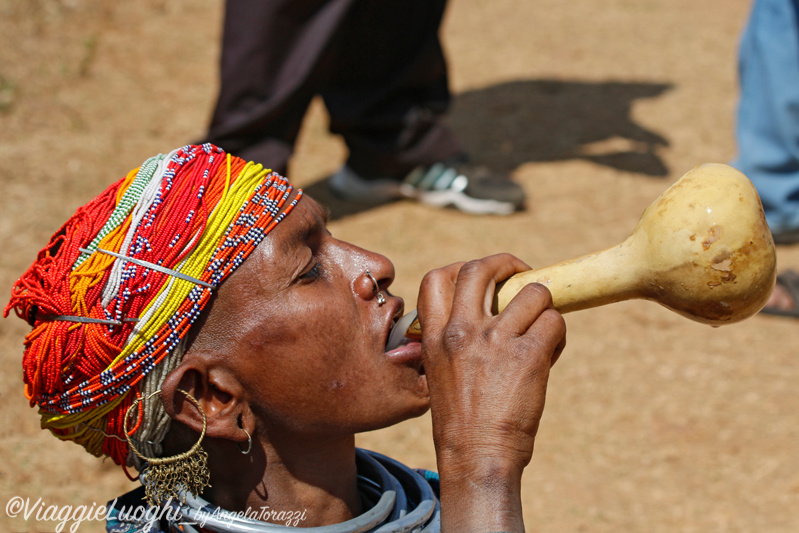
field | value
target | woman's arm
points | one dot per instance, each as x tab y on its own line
487	377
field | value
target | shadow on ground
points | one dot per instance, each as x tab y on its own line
510	124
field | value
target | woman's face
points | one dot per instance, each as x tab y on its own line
300	324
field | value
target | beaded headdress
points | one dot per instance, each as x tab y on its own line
114	293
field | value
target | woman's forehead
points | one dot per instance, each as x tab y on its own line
279	256
307	218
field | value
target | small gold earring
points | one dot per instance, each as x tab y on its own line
170	477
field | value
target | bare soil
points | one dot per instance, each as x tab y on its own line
653	423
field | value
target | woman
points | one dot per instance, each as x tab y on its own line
199	307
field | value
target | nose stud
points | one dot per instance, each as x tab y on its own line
376	289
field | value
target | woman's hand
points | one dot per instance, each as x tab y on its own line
487	377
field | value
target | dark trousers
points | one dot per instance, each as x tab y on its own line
377	64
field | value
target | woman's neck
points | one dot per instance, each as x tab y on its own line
312	478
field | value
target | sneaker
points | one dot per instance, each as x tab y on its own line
468	188
345	184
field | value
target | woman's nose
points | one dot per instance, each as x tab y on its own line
376	277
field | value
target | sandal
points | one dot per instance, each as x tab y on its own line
786	237
788	280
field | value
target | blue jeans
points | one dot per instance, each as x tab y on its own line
768	114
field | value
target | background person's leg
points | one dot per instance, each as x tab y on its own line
386	97
389	88
274	56
768	114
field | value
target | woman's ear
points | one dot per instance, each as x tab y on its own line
218	392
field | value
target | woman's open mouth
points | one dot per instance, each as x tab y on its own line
400	349
396	336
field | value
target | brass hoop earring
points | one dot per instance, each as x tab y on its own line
164	477
249	443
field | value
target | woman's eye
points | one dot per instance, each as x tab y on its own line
314	272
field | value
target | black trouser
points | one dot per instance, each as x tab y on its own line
377	64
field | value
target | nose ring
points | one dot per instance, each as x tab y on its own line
374	281
376	289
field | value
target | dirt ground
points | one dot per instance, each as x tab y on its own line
653	423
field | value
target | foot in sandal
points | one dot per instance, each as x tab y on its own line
784	300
